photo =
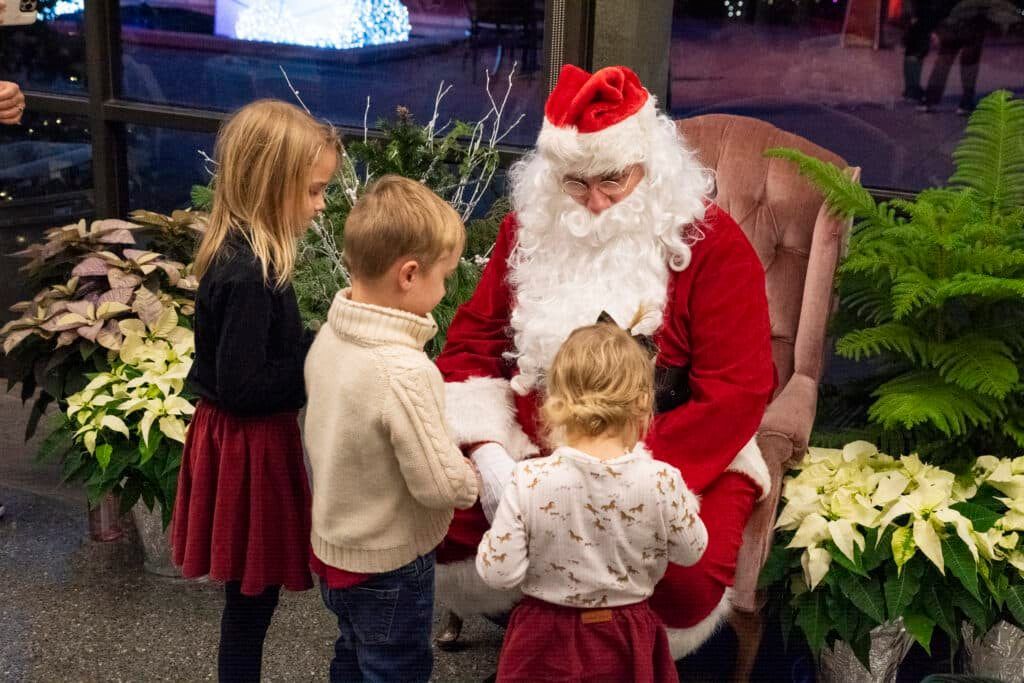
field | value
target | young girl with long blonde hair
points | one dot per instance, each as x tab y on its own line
588	531
242	513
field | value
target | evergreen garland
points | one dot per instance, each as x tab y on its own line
932	300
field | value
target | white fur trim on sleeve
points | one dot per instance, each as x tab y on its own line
683	641
481	409
460	589
750	462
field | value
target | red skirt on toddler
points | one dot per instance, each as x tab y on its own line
243	507
547	642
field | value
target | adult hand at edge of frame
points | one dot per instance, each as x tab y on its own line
12	102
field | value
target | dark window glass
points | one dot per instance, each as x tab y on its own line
888	90
163	165
45	181
48	55
222	54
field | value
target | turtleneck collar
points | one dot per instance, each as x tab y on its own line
378	325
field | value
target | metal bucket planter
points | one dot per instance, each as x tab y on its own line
998	654
889	645
156	543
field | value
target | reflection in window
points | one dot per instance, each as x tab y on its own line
184	52
897	111
48	55
45	181
48	154
163	165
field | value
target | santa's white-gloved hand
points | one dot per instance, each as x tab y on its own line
495	465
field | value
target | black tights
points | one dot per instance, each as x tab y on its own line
243	627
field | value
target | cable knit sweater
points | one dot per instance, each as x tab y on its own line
578	531
386	474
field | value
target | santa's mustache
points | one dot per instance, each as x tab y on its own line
625	216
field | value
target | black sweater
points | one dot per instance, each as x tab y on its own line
250	343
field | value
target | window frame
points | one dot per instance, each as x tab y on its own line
569	36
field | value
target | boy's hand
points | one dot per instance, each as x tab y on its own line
479	477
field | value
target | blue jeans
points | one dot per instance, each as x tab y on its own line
384	625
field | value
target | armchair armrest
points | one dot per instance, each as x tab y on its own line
790	416
782	436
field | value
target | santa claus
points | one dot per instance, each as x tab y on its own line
612	212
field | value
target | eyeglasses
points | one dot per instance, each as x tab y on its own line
609	188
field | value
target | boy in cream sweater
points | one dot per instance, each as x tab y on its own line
386	475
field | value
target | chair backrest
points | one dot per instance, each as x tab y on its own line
780	212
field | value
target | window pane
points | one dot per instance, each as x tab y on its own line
163	165
790	63
45	181
48	55
222	54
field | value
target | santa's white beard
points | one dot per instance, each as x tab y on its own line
570	265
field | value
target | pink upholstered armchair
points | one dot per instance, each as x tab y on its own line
799	244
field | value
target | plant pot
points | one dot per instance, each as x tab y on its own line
105	520
998	654
156	543
889	645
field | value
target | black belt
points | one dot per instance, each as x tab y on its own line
671	388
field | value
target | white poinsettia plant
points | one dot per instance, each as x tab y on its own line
866	538
130	421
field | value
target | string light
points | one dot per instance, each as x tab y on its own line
340	25
734	8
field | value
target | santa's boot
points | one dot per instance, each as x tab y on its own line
451	629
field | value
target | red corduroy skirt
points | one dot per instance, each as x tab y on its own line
243	507
546	642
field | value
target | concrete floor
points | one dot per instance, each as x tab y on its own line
74	610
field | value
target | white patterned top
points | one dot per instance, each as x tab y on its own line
582	532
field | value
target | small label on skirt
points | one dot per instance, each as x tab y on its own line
596	616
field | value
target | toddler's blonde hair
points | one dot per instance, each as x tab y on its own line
399	218
600	383
265	154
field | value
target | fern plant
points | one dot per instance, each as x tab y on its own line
932	299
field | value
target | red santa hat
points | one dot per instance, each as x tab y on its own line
596	123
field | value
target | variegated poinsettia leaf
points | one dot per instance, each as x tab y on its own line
92	266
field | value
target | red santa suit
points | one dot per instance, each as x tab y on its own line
710	319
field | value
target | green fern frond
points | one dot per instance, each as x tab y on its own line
976	284
867	263
989	259
924	398
843	195
976	363
990	158
867	297
983	232
912	290
1014	429
910	234
873	341
922	213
